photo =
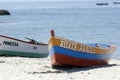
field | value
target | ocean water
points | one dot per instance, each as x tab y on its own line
74	21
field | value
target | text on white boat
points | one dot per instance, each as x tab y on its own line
10	43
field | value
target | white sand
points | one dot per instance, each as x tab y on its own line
17	68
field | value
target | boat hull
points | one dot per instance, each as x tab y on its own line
63	60
22	54
14	47
61	56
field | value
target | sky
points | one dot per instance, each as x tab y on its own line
52	0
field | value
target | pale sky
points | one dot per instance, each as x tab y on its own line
34	0
52	0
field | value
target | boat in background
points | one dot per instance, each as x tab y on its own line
65	52
14	47
116	2
100	4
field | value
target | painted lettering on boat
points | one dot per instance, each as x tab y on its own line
10	43
84	48
35	47
68	45
74	46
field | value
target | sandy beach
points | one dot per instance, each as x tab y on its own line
18	68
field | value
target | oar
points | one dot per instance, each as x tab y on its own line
29	38
32	40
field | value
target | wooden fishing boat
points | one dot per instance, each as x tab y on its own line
15	47
64	52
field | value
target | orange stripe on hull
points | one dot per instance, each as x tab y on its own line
58	59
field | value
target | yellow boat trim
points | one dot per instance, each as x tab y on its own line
68	44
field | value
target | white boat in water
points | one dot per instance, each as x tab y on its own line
100	4
15	47
116	2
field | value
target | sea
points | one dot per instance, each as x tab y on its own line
83	22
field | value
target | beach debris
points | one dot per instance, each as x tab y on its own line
45	72
2	61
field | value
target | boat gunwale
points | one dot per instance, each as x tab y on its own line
61	38
22	40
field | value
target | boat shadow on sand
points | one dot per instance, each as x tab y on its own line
71	69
